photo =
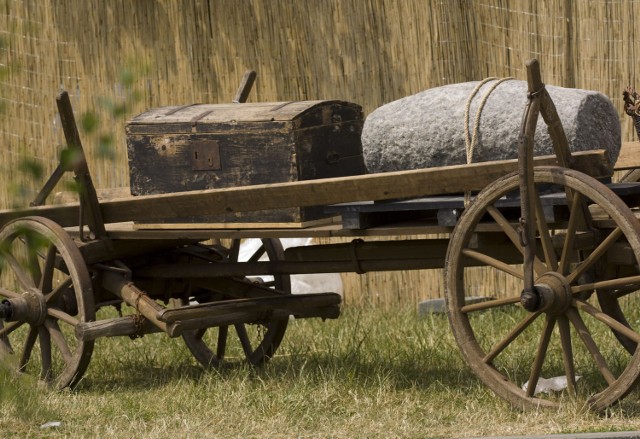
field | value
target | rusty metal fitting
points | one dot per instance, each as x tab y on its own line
530	300
535	94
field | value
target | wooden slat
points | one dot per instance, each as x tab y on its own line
629	157
236	225
384	186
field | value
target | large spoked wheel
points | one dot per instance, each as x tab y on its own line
571	341
44	274
253	343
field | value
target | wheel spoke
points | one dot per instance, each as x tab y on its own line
244	340
64	285
513	334
545	237
28	348
572	228
211	349
8	293
59	340
541	353
481	306
61	315
25	280
495	263
595	255
234	251
607	284
45	353
5	345
46	280
622	292
513	236
223	333
258	254
9	328
590	344
607	320
33	264
563	344
567	354
47	264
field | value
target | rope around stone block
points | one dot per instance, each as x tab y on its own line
471	139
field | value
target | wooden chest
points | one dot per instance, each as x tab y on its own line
175	149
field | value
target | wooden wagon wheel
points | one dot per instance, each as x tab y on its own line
256	342
513	350
45	278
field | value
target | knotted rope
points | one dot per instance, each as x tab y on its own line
471	139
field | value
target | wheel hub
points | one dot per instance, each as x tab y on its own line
552	294
30	307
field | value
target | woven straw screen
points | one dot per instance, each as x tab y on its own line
119	57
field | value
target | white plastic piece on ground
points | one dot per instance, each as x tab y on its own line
300	283
548	385
51	424
439	305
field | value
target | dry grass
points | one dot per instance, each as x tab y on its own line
371	373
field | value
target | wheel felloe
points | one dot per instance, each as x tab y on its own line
254	343
46	291
560	328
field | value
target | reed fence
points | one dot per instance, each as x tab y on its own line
119	57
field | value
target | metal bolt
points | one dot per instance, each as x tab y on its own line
530	301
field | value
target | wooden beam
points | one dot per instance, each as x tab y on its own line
629	157
383	186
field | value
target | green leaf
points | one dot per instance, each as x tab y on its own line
31	167
106	146
89	122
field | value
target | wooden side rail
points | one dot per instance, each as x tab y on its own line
384	186
629	161
629	157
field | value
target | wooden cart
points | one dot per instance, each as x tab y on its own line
559	250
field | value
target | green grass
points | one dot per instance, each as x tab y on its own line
371	373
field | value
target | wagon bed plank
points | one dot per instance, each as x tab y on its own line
629	157
384	186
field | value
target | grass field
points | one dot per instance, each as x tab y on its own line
371	373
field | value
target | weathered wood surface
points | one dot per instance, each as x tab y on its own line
236	225
177	149
384	186
291	303
131	325
629	157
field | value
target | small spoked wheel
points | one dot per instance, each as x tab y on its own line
254	343
574	342
47	286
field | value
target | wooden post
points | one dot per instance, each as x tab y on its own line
569	70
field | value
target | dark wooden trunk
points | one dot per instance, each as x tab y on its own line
176	149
